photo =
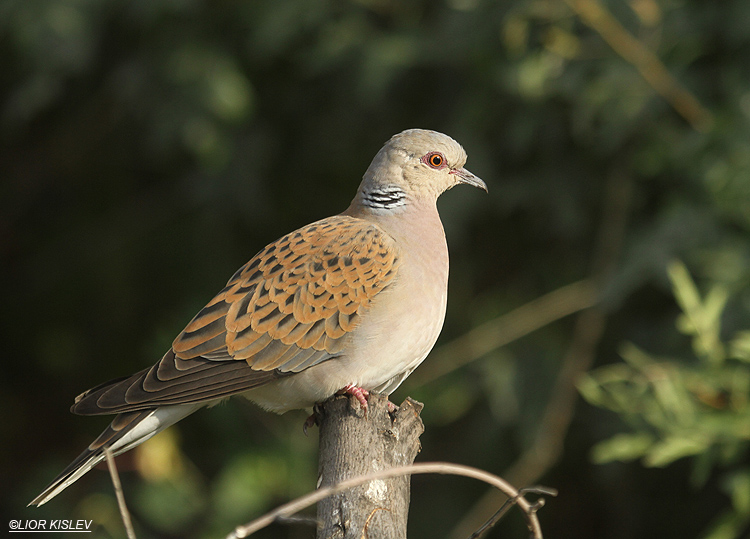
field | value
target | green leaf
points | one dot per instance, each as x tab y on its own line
701	319
591	390
635	357
685	291
674	448
622	447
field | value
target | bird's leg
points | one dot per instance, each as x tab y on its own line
359	393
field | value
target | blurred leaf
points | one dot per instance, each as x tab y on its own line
622	447
700	318
674	448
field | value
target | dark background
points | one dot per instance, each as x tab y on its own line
148	148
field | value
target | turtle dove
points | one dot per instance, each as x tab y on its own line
353	302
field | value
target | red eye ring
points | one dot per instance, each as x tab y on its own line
434	160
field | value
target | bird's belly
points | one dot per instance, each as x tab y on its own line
388	357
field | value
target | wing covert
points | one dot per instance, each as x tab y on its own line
292	305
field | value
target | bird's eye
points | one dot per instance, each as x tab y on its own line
435	160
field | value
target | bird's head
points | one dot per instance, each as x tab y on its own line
415	164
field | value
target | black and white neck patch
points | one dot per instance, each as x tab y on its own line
384	198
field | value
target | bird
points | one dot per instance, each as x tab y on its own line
352	303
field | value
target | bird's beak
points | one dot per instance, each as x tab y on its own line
464	176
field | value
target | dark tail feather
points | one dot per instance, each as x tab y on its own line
126	431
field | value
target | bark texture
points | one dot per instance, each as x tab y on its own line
352	444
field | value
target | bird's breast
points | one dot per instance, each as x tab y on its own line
405	320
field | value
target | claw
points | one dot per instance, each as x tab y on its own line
359	393
311	421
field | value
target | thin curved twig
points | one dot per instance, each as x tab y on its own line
444	468
494	519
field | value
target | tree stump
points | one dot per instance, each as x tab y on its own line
351	445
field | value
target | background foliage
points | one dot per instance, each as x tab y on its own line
150	147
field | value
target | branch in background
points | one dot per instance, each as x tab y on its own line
548	443
124	513
507	328
655	73
529	509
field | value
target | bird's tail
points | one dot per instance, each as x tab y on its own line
126	431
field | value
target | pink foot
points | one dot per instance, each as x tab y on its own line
360	394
